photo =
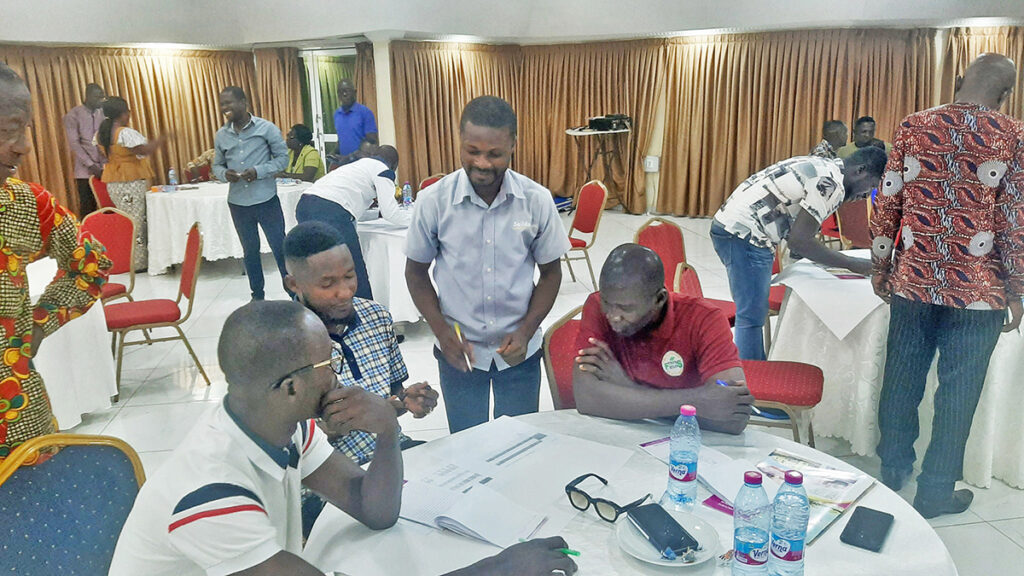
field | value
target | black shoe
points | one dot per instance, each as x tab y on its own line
957	502
400	338
894	478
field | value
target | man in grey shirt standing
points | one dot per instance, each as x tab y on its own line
80	125
486	228
249	152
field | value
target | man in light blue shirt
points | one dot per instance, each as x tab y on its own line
486	228
249	152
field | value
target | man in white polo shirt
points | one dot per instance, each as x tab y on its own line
227	501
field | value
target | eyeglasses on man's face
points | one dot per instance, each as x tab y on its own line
336	362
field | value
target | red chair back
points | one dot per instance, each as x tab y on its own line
116	231
190	267
853	223
559	359
666	239
589	206
830	227
430	180
687	281
99	191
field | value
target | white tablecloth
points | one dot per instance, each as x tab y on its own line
75	361
853	368
383	247
912	548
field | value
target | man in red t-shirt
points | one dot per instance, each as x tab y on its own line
644	352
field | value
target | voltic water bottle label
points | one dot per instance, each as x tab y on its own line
683	471
750	553
788	550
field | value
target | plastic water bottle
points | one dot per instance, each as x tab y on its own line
789	527
172	180
406	194
751	521
681	493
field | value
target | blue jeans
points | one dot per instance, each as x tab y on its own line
964	340
749	269
316	208
247	220
467	394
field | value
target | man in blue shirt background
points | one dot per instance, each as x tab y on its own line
249	152
354	123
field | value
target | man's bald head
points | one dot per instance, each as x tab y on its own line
389	155
635	267
263	341
988	80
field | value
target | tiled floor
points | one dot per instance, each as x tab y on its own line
163	394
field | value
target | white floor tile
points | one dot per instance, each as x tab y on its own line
998	502
982	550
157	427
185	385
152	461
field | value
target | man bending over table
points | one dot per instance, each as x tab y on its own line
644	352
227	502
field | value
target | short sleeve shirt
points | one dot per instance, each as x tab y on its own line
352	126
307	157
485	256
763	208
225	501
692	343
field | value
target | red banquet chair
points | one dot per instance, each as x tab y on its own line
666	239
589	208
100	193
829	232
430	180
687	282
560	356
853	224
126	317
792	387
116	231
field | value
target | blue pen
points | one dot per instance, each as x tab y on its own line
752	407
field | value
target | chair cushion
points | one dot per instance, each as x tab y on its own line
792	383
775	297
127	314
112	289
726	306
577	243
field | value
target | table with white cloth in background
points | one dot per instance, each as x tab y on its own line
75	361
840	326
171	214
337	541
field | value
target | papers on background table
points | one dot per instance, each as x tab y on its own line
830	491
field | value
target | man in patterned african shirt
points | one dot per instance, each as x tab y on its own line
33	225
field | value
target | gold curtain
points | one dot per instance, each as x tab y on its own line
366	77
279	88
737	103
169	92
966	44
431	83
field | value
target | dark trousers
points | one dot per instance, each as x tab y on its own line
86	201
316	208
467	394
964	340
248	220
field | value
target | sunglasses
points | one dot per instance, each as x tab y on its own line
608	511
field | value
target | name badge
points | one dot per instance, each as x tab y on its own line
672	363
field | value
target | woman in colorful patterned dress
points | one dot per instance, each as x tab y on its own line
33	225
127	172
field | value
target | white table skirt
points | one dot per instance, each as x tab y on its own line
383	247
913	548
853	368
75	361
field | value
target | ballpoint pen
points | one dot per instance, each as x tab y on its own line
458	333
752	407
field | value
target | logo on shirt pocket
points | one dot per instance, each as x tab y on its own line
672	363
523	226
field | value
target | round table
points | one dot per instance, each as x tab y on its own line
912	548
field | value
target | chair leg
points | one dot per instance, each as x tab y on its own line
768	336
810	431
593	281
193	354
569	264
120	359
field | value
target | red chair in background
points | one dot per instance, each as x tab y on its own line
100	193
116	231
853	224
686	281
430	180
792	387
126	317
830	231
589	208
666	239
560	356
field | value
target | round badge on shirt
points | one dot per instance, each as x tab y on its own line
672	363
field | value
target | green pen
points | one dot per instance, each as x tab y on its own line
566	551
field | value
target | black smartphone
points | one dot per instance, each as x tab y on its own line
867	529
662	530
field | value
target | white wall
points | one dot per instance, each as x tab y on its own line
244	22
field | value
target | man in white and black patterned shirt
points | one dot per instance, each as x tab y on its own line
786	201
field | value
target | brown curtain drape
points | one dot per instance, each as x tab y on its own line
966	44
279	88
366	76
169	92
431	83
737	103
562	86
